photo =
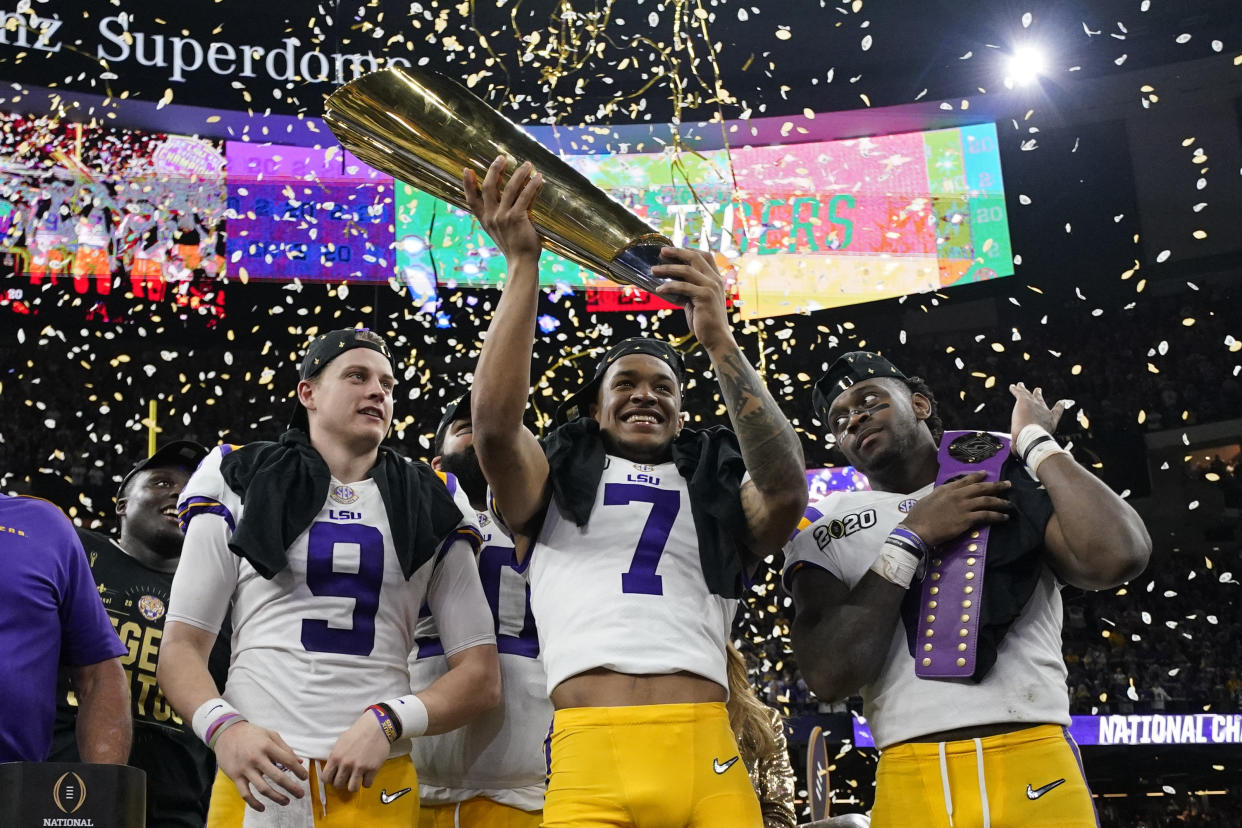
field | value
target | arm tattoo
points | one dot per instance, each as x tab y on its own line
770	448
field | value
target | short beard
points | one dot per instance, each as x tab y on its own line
464	465
653	454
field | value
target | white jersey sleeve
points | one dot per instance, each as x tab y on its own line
208	572
206	576
459	615
455	597
805	549
206	493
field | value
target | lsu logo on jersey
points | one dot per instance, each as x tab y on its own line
641	477
837	528
644	475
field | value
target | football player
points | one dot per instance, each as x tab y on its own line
639	537
990	735
326	544
134	573
492	772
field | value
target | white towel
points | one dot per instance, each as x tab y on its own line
299	813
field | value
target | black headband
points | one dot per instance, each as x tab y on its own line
324	349
848	369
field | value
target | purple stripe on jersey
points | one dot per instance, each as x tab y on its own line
796	567
467	533
450	482
810	516
428	647
547	751
196	505
225	448
1073	746
518	646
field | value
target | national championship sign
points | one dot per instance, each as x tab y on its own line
1148	729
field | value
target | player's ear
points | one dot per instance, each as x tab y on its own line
435	463
306	393
122	503
921	405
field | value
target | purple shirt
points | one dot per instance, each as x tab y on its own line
50	613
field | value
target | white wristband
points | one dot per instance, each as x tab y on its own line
1035	445
412	713
895	565
208	713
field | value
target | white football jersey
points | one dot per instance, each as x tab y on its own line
331	633
500	755
843	535
627	592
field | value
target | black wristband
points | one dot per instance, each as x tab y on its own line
1037	441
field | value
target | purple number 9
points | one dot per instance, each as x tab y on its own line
363	586
665	503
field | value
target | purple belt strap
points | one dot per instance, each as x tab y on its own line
949	607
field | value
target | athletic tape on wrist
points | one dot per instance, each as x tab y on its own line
896	564
411	713
208	714
1035	445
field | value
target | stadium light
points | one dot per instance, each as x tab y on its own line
1024	66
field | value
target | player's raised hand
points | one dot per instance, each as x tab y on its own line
357	754
1029	408
697	286
504	209
958	505
254	758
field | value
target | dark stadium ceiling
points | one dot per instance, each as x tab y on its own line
573	62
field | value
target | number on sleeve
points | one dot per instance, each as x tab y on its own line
323	543
665	504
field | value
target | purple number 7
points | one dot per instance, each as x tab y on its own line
363	586
665	504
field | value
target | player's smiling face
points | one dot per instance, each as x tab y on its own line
149	509
351	400
639	408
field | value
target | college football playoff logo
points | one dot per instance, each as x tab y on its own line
975	447
69	793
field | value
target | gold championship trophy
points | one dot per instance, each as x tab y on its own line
424	129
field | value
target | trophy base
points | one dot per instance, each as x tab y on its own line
632	266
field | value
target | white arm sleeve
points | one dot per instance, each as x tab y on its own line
206	575
456	598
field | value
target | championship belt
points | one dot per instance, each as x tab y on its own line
949	608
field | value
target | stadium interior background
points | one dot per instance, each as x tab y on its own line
1121	163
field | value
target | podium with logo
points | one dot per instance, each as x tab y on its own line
38	794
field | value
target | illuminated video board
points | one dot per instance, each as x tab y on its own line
803	226
319	215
